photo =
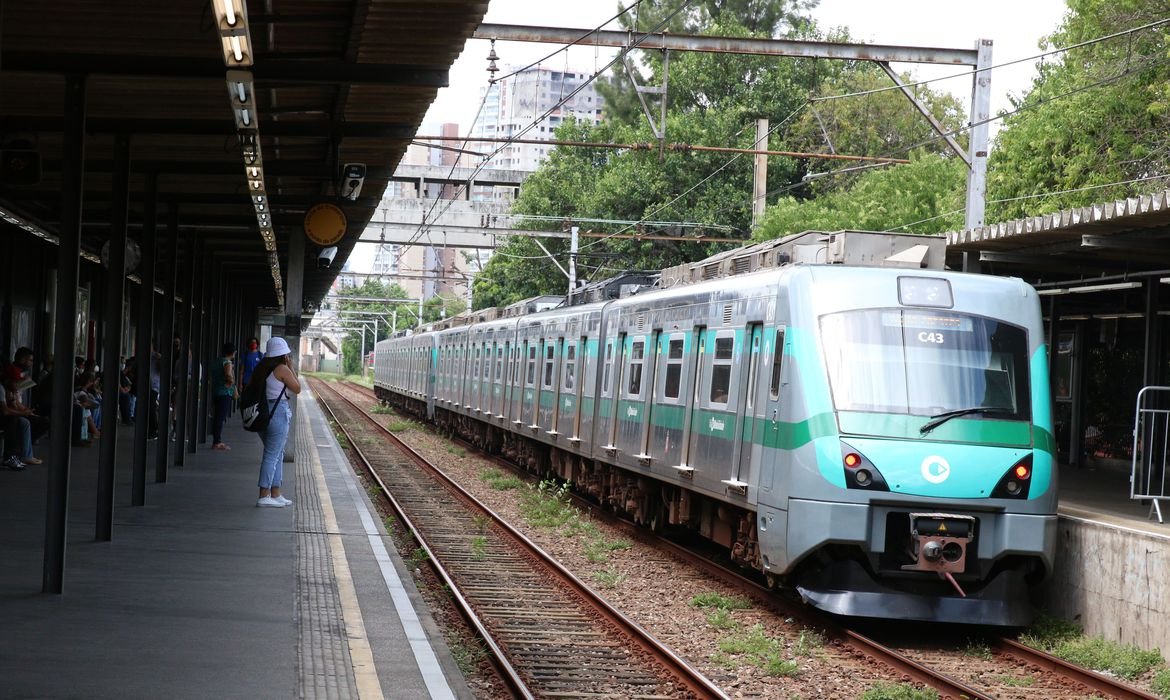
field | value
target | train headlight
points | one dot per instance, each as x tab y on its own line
1014	484
859	471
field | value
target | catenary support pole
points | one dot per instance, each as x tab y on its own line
144	382
68	263
112	339
979	134
760	173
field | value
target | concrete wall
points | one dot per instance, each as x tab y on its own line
1114	581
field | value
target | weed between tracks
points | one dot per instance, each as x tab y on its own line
382	410
547	505
500	481
1065	640
898	691
753	646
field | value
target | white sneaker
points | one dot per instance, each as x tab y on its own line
269	502
283	501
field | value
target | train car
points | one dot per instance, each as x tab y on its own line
879	439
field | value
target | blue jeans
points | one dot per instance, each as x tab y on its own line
223	405
274	437
17	445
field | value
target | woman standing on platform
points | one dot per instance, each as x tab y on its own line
276	371
223	388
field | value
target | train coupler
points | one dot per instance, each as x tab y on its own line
940	542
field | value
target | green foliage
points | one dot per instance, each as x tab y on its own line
756	647
898	691
500	481
418	557
720	618
711	599
609	578
1096	114
457	450
442	305
1064	640
597	548
1016	681
547	505
924	196
978	649
352	343
1161	683
382	410
467	657
479	548
400	426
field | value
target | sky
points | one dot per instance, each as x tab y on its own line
1015	27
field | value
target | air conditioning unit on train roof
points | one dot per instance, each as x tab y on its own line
862	248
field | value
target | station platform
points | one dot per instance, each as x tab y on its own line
203	595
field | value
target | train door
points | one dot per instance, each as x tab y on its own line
632	409
751	396
547	408
497	382
699	350
667	428
569	404
615	361
649	386
770	417
530	397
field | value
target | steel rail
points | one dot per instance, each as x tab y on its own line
1096	681
504	669
686	675
946	686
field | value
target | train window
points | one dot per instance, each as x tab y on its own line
499	362
753	370
531	365
777	359
674	358
605	383
475	365
487	361
927	362
548	366
635	370
570	367
721	370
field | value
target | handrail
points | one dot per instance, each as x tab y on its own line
1146	438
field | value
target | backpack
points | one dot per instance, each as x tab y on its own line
254	406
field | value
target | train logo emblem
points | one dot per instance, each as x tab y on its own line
935	469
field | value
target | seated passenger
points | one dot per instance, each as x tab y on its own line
17	422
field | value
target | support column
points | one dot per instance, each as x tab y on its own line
203	352
1153	363
143	347
166	332
193	402
183	381
293	302
68	263
979	135
112	340
760	173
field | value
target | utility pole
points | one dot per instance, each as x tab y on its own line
760	175
573	260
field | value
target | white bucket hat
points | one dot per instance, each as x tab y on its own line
276	347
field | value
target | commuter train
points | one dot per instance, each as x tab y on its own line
879	439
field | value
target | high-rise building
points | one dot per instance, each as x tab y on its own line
513	104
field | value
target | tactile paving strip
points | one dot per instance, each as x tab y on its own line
326	669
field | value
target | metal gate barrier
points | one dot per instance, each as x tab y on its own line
1151	447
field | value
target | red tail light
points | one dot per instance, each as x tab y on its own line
852	460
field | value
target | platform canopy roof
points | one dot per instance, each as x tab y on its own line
1118	238
335	82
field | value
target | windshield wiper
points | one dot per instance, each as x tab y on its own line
945	416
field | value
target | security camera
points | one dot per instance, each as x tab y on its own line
325	257
352	178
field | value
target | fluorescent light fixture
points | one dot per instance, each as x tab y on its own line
1164	280
231	20
1104	287
1075	317
254	172
256	184
25	225
1051	292
1113	317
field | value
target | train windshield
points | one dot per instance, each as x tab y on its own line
926	363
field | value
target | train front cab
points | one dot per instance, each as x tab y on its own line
880	502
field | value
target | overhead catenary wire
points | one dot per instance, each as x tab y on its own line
967	74
424	226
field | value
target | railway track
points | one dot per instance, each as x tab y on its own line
548	633
939	668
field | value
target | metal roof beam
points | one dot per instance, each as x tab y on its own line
278	168
217	127
722	44
268	71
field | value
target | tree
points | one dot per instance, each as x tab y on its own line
925	196
442	305
385	310
1095	115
